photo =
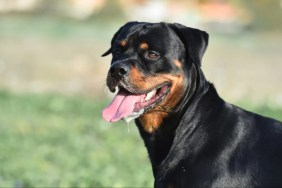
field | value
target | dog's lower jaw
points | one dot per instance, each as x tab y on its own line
151	121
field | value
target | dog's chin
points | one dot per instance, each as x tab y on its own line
130	103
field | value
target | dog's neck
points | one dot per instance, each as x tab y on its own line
151	121
159	142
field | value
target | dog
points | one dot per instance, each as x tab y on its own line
193	137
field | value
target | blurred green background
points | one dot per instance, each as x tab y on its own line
52	86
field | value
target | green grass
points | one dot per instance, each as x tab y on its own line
266	108
56	141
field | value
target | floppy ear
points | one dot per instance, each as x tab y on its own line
112	42
194	40
129	24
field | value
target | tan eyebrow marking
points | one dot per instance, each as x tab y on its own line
144	46
178	63
123	43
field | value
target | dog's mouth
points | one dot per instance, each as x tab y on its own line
128	106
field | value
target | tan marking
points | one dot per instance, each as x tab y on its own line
144	46
123	43
177	63
153	119
137	79
170	185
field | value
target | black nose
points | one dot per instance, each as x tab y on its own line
119	70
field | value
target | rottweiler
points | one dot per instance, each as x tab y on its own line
193	137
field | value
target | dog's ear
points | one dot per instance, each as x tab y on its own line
112	42
127	25
194	40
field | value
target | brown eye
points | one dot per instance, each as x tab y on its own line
152	55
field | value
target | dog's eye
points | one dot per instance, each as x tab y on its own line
152	55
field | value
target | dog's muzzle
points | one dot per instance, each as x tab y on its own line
119	70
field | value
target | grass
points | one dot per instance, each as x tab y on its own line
266	108
56	141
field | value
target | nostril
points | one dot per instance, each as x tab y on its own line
122	71
119	70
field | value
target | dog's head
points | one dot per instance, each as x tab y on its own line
151	68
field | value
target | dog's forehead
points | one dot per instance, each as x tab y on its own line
150	33
156	36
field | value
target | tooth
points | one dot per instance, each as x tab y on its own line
150	94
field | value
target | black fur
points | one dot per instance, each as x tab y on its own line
204	141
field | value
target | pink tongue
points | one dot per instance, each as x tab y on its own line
121	106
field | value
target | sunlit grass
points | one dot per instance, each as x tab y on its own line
56	141
267	109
